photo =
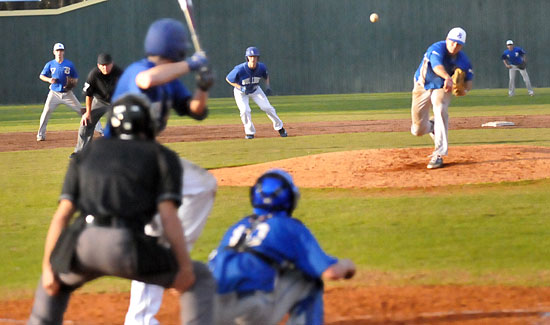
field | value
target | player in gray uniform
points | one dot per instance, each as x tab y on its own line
57	73
99	87
136	177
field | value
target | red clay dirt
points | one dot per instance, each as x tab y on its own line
384	168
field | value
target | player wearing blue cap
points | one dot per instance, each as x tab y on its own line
57	73
433	90
245	78
514	58
156	76
270	264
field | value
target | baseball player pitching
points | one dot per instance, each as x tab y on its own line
515	60
62	76
245	79
434	87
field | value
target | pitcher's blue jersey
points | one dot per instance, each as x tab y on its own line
280	238
437	55
163	97
244	76
59	71
515	56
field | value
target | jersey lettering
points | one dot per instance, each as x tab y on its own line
67	70
252	239
253	81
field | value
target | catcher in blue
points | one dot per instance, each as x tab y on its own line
60	73
245	79
445	70
156	76
515	60
269	264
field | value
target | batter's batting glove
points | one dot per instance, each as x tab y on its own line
205	78
268	91
197	61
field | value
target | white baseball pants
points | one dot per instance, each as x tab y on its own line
422	102
199	191
512	84
55	99
243	103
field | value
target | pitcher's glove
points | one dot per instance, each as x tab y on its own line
205	78
71	83
459	82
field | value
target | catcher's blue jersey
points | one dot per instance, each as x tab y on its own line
163	97
244	76
515	56
59	71
437	55
280	238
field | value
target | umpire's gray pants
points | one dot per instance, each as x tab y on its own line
86	132
111	251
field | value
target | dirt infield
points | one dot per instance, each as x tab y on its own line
394	168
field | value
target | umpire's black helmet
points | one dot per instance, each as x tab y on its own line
130	118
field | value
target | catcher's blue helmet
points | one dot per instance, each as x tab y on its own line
167	38
130	118
252	51
273	192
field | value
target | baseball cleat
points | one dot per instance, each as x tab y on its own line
249	136
435	162
282	133
40	139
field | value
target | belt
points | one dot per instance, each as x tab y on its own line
109	222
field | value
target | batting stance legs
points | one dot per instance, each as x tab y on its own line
261	100
199	191
422	102
55	99
512	84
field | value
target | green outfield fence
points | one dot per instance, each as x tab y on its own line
310	46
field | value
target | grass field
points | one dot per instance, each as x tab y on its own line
470	234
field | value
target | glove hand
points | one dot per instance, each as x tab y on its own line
205	78
70	84
268	91
197	61
459	82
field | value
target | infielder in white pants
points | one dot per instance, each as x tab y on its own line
56	73
245	78
199	190
515	59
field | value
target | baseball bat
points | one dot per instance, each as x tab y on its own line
187	8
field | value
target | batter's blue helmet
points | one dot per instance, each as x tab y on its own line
252	51
167	38
130	118
274	191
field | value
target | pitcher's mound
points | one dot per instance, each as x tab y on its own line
378	168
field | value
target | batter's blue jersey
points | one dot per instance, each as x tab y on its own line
280	238
515	56
244	76
163	97
59	71
437	54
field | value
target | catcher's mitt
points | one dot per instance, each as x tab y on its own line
70	84
459	82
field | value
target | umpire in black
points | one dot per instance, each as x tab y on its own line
117	184
98	89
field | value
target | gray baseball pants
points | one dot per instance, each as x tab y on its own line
86	132
112	251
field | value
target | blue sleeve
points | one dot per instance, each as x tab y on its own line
46	70
435	57
233	76
311	258
503	56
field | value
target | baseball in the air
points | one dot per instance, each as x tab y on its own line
373	17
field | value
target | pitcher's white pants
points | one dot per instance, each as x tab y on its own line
198	192
243	103
423	101
512	83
